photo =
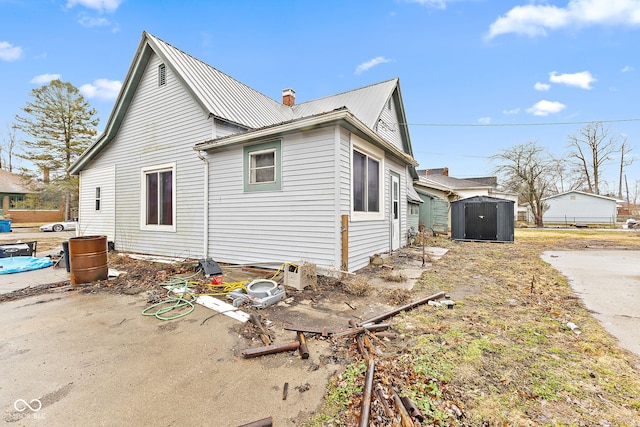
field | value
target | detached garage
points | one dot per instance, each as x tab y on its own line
482	218
577	207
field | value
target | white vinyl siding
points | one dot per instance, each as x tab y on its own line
576	207
294	224
388	126
94	221
161	126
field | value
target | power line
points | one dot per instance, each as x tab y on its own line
518	124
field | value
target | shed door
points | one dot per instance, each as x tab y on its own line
480	221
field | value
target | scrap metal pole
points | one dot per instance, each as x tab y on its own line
265	422
405	418
383	401
406	307
303	349
270	349
365	409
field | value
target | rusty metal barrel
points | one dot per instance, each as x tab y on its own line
88	259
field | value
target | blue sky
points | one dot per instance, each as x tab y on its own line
477	76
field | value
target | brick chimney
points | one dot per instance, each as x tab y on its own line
288	97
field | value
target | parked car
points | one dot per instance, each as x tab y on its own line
59	226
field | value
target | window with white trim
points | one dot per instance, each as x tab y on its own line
158	198
262	167
366	180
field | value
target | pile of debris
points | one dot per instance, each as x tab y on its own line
387	386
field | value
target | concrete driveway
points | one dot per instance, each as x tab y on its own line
93	359
608	281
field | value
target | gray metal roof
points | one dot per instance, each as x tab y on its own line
365	103
451	182
222	95
229	99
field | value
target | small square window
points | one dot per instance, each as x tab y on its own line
262	167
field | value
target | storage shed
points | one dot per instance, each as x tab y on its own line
482	218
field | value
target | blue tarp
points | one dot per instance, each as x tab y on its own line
19	264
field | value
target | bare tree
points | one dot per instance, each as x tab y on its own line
591	147
525	169
625	160
9	146
564	176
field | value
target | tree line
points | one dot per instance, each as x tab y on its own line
533	173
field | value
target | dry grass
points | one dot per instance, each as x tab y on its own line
357	286
504	355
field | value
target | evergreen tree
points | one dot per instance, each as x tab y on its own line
61	125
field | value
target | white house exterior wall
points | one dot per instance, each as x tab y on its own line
296	223
370	237
97	222
161	125
388	126
576	207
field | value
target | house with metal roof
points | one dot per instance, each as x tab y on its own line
579	208
438	190
194	163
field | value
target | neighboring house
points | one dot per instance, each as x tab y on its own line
437	190
17	199
193	163
577	207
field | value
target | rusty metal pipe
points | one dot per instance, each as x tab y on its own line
365	409
412	409
405	418
270	349
360	329
265	422
383	400
303	349
405	307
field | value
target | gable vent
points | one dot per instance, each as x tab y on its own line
162	75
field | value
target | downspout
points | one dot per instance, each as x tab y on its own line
205	203
205	190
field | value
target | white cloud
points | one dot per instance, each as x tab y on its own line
45	78
437	4
484	120
511	111
101	89
370	64
626	69
89	21
9	52
99	5
543	87
544	108
582	80
536	19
